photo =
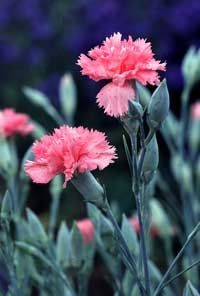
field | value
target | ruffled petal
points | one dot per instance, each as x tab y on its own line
114	98
38	172
68	151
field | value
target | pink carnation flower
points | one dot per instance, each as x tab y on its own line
12	123
87	230
121	61
196	110
69	151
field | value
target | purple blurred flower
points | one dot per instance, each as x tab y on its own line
9	53
49	35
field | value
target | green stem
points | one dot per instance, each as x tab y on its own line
53	214
179	274
137	193
189	214
189	239
125	252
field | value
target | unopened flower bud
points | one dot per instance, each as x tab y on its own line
158	106
143	94
68	97
130	125
135	109
191	66
90	189
131	119
182	172
86	228
186	175
6	163
160	220
151	160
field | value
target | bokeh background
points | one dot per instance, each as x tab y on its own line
40	40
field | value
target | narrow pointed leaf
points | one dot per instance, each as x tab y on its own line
62	244
36	227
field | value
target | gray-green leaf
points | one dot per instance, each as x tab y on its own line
36	228
62	244
130	236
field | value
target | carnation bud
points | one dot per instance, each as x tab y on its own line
90	189
87	230
6	163
130	125
131	119
186	176
158	106
191	66
182	172
151	160
176	163
135	110
68	96
160	219
143	93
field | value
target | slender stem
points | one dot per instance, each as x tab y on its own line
184	115
188	208
190	237
54	214
136	190
179	274
126	255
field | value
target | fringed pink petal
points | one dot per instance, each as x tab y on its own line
120	59
114	98
68	151
38	172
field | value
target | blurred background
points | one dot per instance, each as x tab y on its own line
40	40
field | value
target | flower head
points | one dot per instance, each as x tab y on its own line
87	230
12	123
120	61
69	151
196	110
